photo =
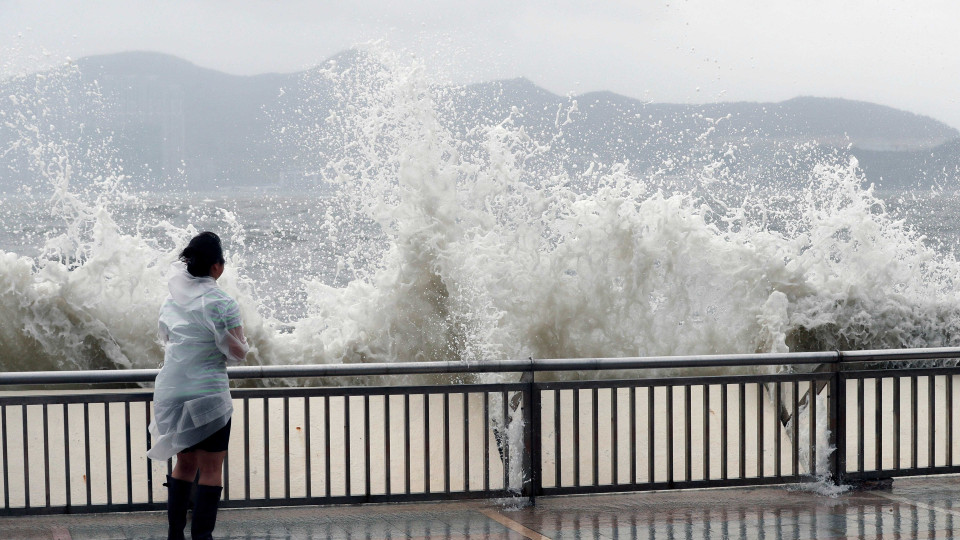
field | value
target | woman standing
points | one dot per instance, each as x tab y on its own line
202	332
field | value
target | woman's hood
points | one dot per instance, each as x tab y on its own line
185	288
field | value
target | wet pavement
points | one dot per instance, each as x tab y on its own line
913	508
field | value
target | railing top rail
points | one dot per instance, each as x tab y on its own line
493	366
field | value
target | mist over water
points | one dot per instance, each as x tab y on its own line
427	241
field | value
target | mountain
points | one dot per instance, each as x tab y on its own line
829	121
770	138
171	115
175	125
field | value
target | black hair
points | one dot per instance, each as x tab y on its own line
203	251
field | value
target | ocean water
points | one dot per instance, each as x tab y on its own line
430	243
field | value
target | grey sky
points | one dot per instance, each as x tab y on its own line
902	54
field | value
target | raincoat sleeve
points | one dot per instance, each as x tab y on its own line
163	332
224	314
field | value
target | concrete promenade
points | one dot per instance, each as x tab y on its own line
914	508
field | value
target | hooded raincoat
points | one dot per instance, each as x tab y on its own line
191	397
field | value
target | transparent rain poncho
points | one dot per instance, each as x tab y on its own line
199	327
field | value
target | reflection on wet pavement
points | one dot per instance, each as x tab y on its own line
914	508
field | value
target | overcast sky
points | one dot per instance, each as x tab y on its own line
898	53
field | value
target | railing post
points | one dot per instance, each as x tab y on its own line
838	421
531	437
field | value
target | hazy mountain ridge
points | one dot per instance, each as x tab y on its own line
177	125
828	120
217	129
895	148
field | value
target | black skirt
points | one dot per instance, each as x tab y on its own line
217	442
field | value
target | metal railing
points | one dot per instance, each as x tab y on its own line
639	424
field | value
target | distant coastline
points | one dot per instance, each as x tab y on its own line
176	126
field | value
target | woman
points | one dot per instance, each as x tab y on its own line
202	332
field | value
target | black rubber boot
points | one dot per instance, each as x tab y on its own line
205	512
178	502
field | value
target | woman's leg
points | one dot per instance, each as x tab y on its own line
178	502
179	484
186	467
210	465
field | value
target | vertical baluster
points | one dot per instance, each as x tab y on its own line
878	423
505	441
226	472
614	428
109	460
486	441
346	446
706	432
650	435
761	424
948	406
778	409
687	433
26	456
556	438
246	448
266	449
743	430
795	424
670	435
328	489
724	432
86	442
6	457
406	444
446	442
308	466
367	472
466	442
896	423
595	432
931	421
387	462
633	435
286	447
812	425
46	458
576	437
126	417
913	420
837	399
426	443
66	456
861	425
